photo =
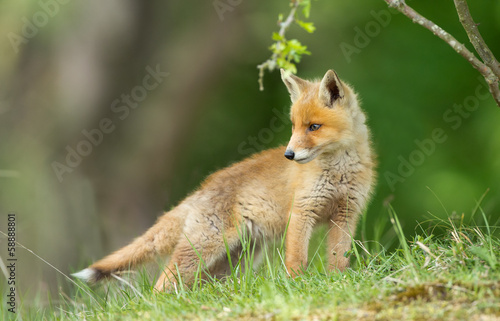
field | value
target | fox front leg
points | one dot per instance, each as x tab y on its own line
342	227
297	242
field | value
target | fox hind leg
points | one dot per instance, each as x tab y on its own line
196	252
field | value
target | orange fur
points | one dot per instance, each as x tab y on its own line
330	182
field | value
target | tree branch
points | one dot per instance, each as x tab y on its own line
475	36
271	63
485	70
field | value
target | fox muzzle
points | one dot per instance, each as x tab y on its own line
289	154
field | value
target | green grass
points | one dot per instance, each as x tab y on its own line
452	275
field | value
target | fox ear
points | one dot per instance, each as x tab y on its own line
331	88
294	84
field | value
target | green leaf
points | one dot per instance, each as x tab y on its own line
296	46
277	37
307	26
287	65
306	7
278	48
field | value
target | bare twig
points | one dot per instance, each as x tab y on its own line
271	63
484	69
475	37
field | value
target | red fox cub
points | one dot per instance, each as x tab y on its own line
324	175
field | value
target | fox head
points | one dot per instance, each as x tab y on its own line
323	116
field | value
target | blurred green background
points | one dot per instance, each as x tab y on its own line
59	76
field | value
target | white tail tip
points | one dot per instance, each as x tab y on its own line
87	275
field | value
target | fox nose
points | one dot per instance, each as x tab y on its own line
289	154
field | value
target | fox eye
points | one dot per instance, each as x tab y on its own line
314	127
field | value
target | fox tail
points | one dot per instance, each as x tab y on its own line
160	239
